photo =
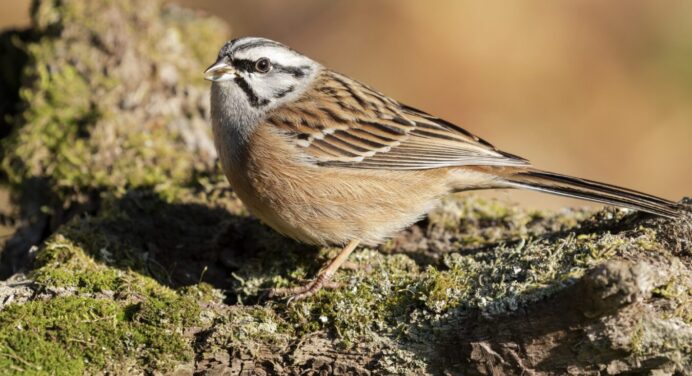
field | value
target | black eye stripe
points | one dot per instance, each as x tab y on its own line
247	65
297	72
243	65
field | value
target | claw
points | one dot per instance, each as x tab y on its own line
305	291
322	280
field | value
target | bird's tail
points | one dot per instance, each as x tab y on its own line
569	186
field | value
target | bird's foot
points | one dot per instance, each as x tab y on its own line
305	291
312	287
322	280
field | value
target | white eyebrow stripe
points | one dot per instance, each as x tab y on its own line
277	54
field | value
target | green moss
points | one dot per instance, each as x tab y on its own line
678	293
145	325
164	308
636	340
28	354
90	62
100	125
160	322
71	334
59	109
64	264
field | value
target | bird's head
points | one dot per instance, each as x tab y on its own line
256	75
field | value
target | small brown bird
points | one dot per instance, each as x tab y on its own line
327	160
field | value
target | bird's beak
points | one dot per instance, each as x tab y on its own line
219	71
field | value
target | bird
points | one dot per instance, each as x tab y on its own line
330	161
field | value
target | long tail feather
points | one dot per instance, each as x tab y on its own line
569	186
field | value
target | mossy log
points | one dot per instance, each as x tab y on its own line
131	255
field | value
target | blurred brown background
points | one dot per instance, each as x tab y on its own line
601	90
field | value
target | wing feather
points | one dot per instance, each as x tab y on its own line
344	123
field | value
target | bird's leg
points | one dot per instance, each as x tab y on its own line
323	278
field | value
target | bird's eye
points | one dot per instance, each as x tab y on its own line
263	65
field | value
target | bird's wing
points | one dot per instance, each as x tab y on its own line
341	122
